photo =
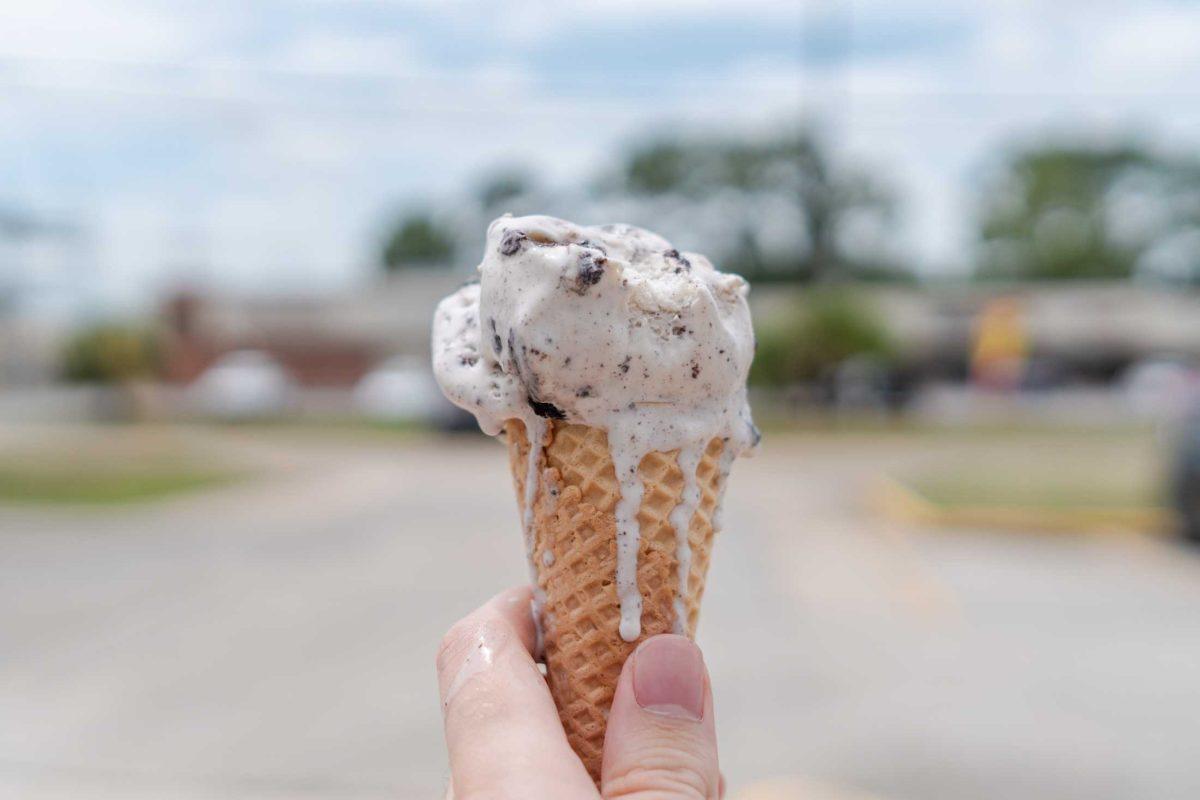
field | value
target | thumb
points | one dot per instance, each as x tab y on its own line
661	740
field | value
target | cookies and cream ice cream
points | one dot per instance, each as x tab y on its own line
609	327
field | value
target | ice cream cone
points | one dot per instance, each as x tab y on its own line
574	547
646	349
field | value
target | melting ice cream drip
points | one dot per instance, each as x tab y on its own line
681	521
724	464
629	536
535	434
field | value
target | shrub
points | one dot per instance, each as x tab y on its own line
826	328
110	353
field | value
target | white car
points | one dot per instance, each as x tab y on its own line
400	389
244	384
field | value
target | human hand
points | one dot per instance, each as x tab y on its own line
505	738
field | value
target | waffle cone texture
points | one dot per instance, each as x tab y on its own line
573	521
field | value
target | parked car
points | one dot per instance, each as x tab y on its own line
1161	389
245	384
402	389
1187	478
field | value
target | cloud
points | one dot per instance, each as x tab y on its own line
279	139
122	30
345	53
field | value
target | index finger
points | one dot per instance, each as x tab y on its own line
502	729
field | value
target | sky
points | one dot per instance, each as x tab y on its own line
252	145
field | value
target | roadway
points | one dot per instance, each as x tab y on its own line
276	638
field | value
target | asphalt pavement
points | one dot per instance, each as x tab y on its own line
275	638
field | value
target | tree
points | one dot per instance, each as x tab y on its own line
499	191
418	240
111	354
790	177
1072	212
824	330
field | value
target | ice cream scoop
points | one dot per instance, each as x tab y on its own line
609	327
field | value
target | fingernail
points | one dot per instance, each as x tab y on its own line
668	677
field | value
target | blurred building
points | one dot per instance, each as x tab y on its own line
1071	331
327	341
1082	331
1090	332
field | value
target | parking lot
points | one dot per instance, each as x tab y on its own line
275	637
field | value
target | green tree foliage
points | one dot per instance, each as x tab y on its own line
1072	212
793	169
661	168
827	328
418	240
500	190
111	354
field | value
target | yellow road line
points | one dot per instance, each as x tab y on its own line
901	503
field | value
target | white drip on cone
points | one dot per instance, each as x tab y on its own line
535	433
629	537
681	521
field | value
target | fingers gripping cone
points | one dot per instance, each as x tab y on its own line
574	552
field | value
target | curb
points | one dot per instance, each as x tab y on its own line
901	503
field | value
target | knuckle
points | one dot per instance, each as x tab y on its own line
663	772
454	641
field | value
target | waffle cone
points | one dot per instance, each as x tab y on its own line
573	521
